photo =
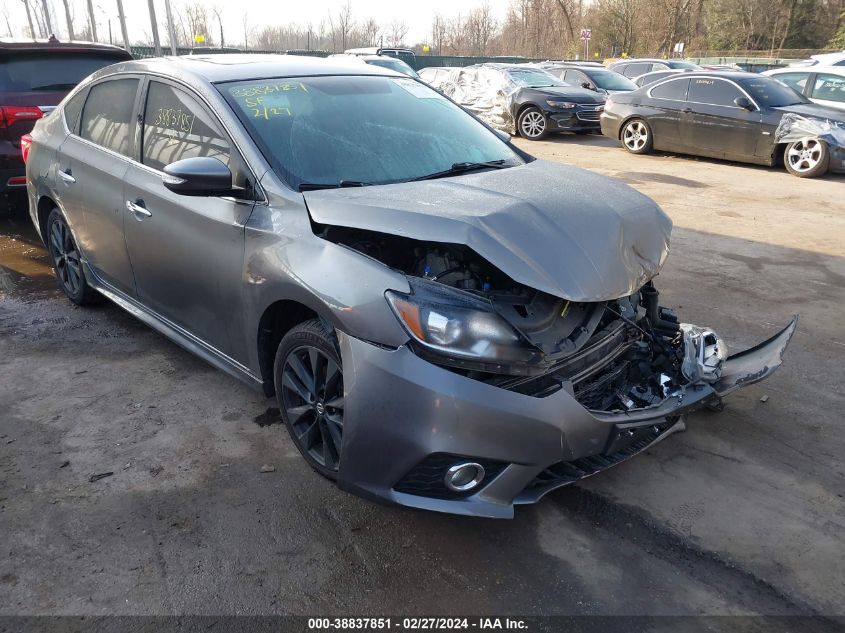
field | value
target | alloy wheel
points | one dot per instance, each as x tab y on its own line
804	155
312	396
635	136
65	256
533	124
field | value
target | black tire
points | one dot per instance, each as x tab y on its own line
67	261
532	124
636	136
308	375
807	158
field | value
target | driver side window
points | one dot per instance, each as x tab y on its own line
177	126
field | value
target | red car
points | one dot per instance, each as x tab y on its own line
35	75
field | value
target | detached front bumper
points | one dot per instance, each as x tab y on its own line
406	420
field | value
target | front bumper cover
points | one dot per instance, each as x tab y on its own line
401	410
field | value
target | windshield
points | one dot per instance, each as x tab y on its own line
42	71
609	80
394	64
772	93
362	129
534	78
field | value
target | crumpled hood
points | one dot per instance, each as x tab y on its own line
557	228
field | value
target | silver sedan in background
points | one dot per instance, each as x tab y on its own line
445	321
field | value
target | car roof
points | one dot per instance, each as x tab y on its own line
238	67
833	70
7	44
634	60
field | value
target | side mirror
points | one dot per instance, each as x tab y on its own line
200	176
744	103
587	85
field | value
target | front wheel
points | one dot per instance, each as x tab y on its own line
308	376
636	137
67	261
807	158
533	124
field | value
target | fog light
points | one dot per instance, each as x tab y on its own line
464	476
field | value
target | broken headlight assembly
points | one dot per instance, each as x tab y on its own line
455	328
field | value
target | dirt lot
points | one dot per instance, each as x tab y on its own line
742	514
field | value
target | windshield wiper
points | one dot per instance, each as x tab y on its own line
314	186
460	168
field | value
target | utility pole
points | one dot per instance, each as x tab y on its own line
92	20
47	18
70	35
122	18
29	18
154	24
171	30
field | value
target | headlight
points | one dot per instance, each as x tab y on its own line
461	330
566	105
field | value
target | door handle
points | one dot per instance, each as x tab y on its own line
138	209
687	110
67	176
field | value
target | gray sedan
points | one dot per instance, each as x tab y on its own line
445	321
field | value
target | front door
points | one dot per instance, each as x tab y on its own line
716	125
186	252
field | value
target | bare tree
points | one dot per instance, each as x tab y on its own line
396	32
345	24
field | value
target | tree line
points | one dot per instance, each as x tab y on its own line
531	28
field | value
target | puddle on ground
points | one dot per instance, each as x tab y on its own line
270	416
648	176
25	268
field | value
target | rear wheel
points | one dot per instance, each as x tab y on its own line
807	158
308	376
636	137
67	261
533	124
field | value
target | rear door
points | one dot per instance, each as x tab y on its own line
669	101
92	163
716	126
187	252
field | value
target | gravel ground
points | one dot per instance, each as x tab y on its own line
742	514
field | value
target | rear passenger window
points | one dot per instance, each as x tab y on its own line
713	92
72	110
635	70
676	90
176	126
829	88
107	115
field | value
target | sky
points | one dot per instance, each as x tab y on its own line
417	14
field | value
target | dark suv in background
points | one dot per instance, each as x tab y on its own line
35	75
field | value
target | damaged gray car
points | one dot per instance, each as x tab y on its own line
445	321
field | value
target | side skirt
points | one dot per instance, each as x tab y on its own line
175	333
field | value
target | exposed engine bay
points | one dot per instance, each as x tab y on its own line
618	355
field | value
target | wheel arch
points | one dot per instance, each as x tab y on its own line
44	206
277	320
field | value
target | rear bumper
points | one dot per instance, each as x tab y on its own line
12	170
406	420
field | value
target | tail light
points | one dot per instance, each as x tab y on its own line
9	115
26	143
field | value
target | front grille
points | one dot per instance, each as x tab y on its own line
564	473
589	116
592	370
426	478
